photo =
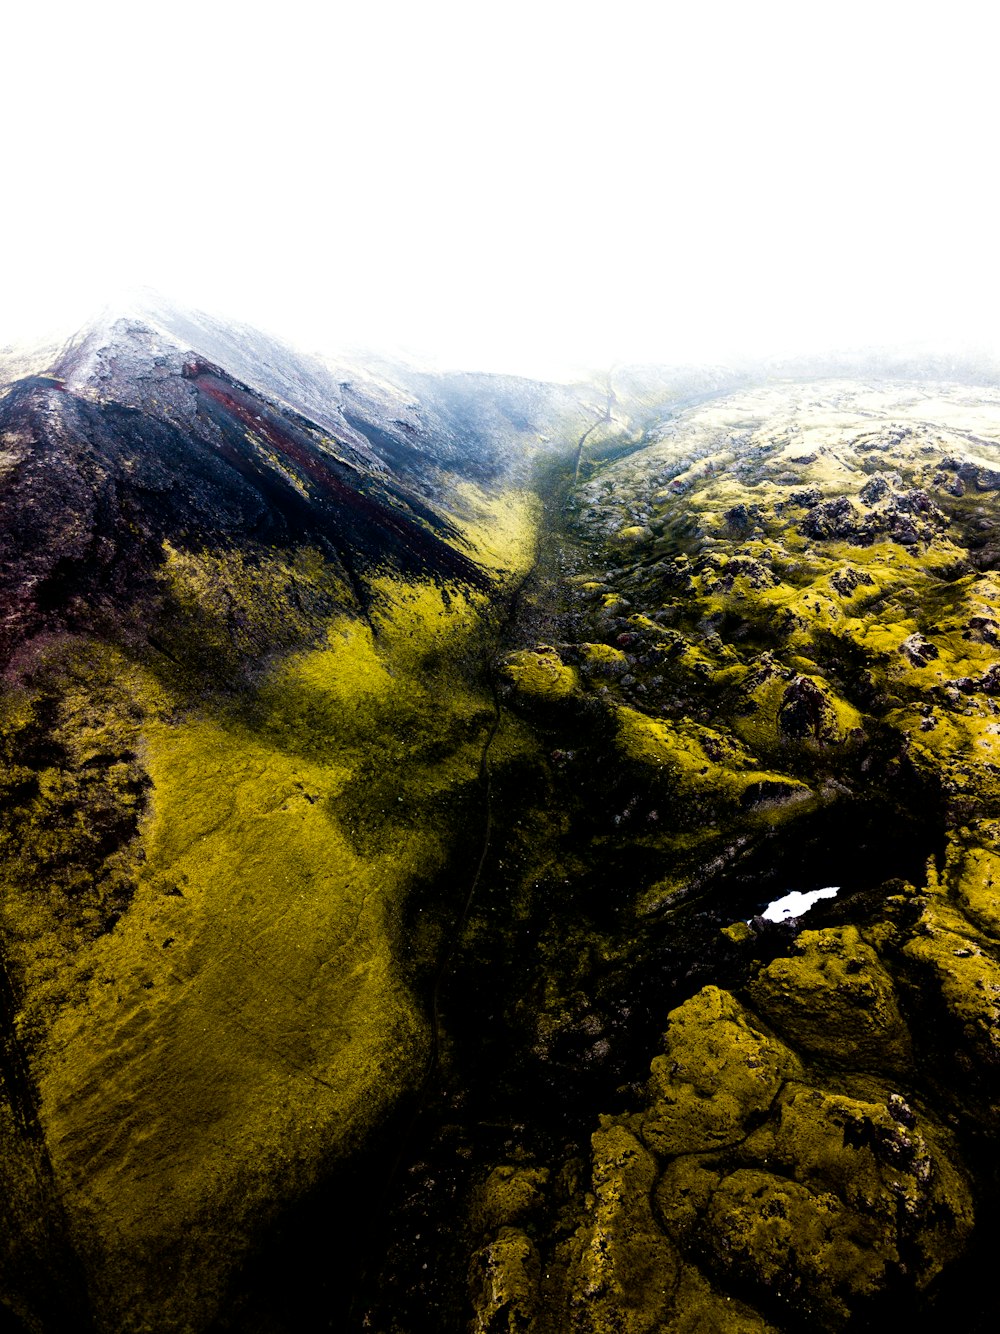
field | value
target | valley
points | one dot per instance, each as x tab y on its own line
396	769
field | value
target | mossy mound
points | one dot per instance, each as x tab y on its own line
504	1280
811	1202
825	1196
719	1070
622	1274
838	1000
540	674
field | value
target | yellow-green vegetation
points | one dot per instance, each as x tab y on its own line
784	708
977	882
221	997
540	673
222	608
837	998
953	947
852	1189
253	976
505	1274
764	1180
623	1274
802	586
632	533
720	1068
787	602
623	1269
499	527
236	854
504	1278
509	1194
702	761
602	658
74	796
794	592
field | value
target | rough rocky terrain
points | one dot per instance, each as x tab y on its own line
395	768
778	619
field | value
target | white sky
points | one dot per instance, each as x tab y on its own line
515	186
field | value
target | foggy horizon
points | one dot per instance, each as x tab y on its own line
526	191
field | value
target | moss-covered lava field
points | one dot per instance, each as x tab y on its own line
395	771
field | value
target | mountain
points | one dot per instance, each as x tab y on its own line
130	441
240	616
396	769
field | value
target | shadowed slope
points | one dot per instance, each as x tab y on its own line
241	722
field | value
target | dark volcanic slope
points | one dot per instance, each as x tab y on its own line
96	481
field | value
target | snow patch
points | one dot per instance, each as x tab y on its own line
796	903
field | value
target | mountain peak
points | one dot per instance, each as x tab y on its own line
156	429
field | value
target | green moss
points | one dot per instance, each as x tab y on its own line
956	969
778	1186
834	998
509	1194
644	625
884	1161
769	1233
222	608
76	793
719	1067
255	972
622	1271
700	1308
774	663
504	1281
977	888
499	526
540	674
251	1015
602	656
663	745
824	1205
738	932
704	763
784	709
